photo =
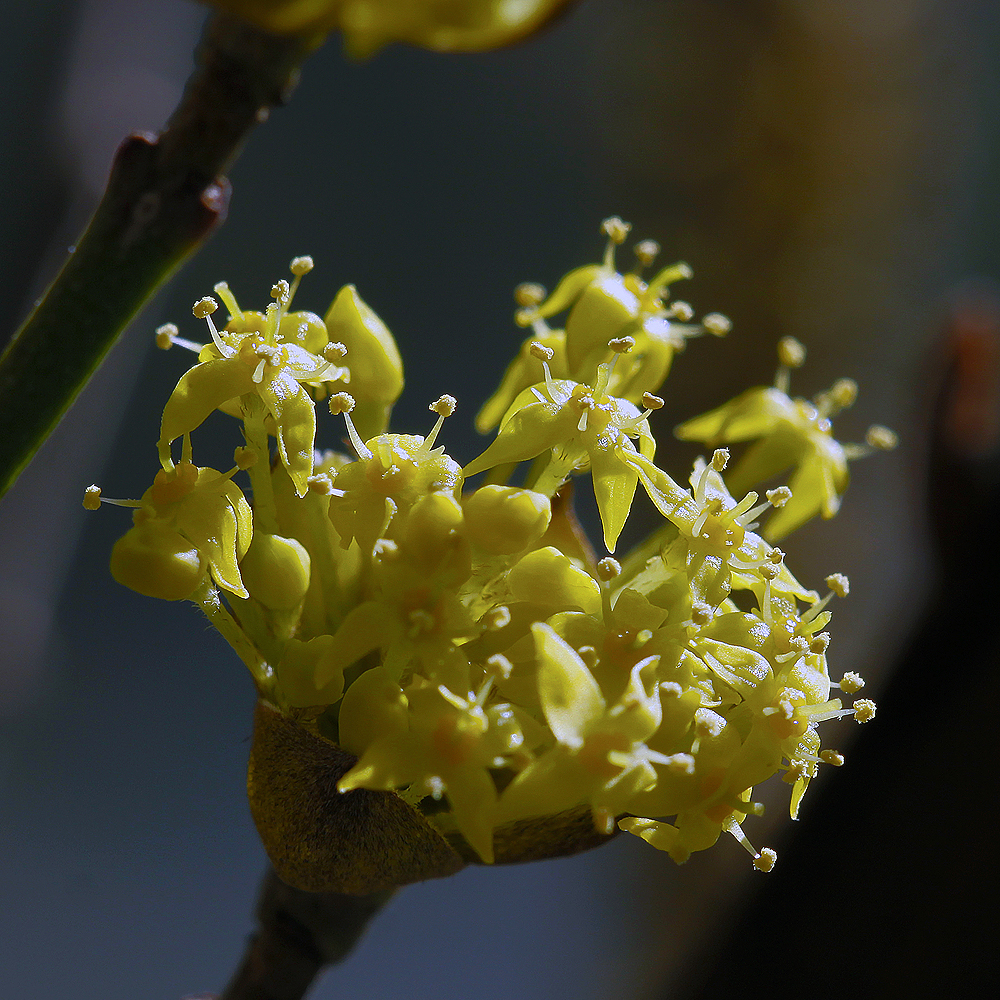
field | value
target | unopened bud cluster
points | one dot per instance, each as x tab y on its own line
458	641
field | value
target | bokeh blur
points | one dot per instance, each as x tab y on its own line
830	171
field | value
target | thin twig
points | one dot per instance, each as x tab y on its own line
164	197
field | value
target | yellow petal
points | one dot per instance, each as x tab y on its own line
571	698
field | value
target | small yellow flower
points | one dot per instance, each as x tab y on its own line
189	521
584	427
789	433
254	360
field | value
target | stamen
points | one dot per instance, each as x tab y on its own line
443	406
229	300
839	396
616	231
791	354
343	402
167	335
839	585
298	266
92	499
544	354
203	309
499	666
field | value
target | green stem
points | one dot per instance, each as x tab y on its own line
207	598
265	510
164	197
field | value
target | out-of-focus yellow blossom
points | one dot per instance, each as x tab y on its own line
790	433
367	25
448	674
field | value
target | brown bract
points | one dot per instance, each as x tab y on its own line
359	842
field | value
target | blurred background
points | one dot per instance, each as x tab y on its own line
830	173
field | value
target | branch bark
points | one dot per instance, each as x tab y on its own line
164	198
300	934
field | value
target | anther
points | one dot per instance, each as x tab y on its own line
843	393
622	345
300	266
540	351
651	402
496	618
681	310
720	459
819	643
791	352
776	556
608	569
335	352
443	406
881	438
280	290
770	572
646	251
864	710
341	402
615	229
701	613
92	498
322	484
764	861
244	458
832	757
204	307
717	324
680	763
839	584
851	682
499	667
779	497
165	336
529	294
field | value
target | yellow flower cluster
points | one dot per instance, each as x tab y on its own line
461	646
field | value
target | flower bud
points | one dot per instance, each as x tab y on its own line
157	561
504	520
275	571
